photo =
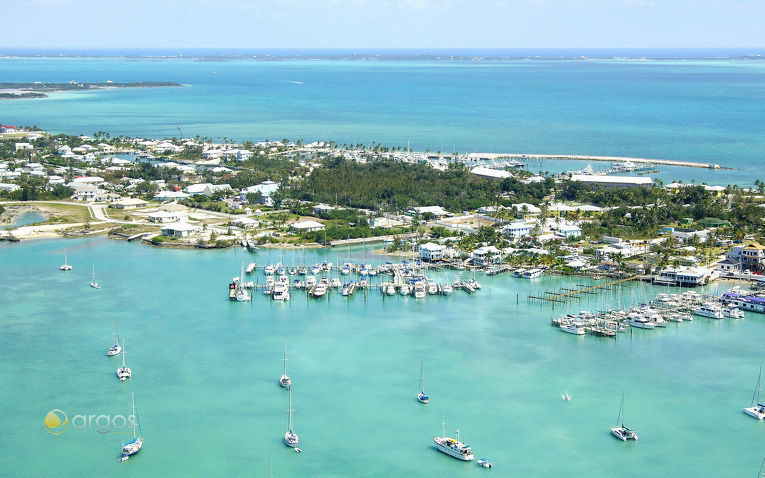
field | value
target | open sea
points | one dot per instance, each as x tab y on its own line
654	104
206	371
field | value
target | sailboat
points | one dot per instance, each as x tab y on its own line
422	396
285	380
620	431
66	266
116	348
93	282
133	446
290	437
757	409
453	446
762	470
124	372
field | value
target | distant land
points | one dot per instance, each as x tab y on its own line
393	54
13	91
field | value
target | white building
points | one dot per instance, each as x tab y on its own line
437	211
684	276
517	230
266	189
569	230
24	146
612	181
167	217
206	188
490	173
307	226
129	203
170	196
431	252
245	223
180	229
485	255
7	187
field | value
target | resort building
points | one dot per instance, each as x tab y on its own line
485	255
612	182
684	276
180	229
729	266
431	252
527	211
753	257
307	226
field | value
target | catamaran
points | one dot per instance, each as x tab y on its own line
620	431
285	380
290	437
133	446
422	396
124	372
453	446
66	266
93	282
116	348
756	409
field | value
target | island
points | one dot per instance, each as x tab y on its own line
13	91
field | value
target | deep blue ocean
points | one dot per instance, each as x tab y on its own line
696	105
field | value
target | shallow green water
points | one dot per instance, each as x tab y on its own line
206	376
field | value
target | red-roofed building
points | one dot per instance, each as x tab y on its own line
7	128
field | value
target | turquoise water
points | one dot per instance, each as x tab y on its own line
206	376
696	110
24	220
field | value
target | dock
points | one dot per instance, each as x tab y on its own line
565	294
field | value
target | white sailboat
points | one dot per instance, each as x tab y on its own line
116	348
756	409
453	446
285	380
422	396
93	282
124	372
620	431
290	437
133	446
66	266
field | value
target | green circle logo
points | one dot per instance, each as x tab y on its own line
56	422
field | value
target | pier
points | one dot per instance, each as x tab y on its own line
612	159
564	294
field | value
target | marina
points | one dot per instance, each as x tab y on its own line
335	340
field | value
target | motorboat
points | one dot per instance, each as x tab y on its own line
269	270
640	321
281	292
453	446
419	290
733	313
320	289
390	289
446	289
404	290
432	288
573	328
710	310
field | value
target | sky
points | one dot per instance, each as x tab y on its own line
382	23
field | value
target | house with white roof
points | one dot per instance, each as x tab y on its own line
569	230
266	189
206	188
431	251
485	255
170	196
307	226
8	187
517	229
490	173
245	223
167	217
612	181
180	229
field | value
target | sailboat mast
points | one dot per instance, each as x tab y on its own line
620	420
132	396
123	353
756	396
443	424
285	357
289	413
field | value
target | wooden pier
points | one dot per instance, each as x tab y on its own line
564	294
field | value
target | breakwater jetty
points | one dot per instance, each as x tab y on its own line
612	159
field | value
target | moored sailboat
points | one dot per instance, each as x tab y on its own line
422	396
133	446
620	431
124	372
285	381
290	437
116	348
756	409
65	266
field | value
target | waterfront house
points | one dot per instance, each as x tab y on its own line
753	257
431	252
485	255
85	192
245	223
729	266
517	230
180	229
684	276
307	226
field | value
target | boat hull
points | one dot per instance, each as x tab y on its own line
454	453
755	412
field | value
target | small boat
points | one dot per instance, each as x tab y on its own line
757	409
93	282
320	290
733	313
620	431
345	270
116	348
446	289
269	270
639	321
432	288
315	269
303	271
285	381
346	290
484	463
281	292
404	290
390	289
572	328
124	372
474	284
532	273
566	397
281	271
421	395
419	290
133	446
65	266
290	437
372	272
453	446
292	271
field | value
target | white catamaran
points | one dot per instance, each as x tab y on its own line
290	437
422	396
133	446
116	348
756	409
453	446
285	380
620	431
124	372
66	266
